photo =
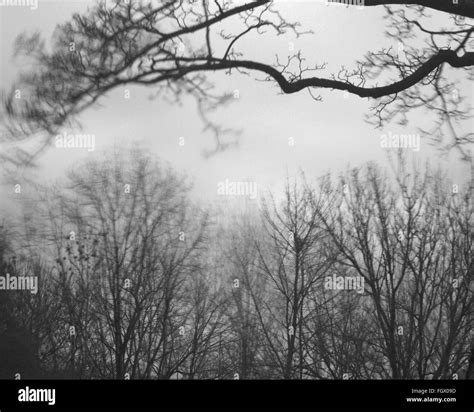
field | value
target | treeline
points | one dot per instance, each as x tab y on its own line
138	282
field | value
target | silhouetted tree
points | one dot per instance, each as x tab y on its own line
176	45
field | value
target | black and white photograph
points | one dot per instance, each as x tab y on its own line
237	203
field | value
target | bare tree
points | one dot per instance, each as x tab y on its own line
290	258
176	45
125	248
247	350
413	248
136	283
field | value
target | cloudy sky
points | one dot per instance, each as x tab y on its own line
328	135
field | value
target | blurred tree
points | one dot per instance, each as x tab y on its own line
176	45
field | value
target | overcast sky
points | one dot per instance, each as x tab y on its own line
328	135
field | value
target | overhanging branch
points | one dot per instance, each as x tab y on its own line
443	56
462	8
